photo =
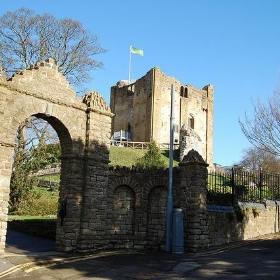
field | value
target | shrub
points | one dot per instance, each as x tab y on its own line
36	207
152	158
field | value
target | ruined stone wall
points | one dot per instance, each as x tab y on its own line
253	220
197	104
141	111
131	104
162	107
136	211
121	100
95	172
83	127
42	92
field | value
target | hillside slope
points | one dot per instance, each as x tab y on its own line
120	156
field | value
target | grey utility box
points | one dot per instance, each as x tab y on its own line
178	232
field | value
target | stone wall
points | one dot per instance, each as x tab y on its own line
251	220
136	212
83	126
136	208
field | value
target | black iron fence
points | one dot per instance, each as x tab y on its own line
227	188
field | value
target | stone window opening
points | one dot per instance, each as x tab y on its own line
191	122
184	92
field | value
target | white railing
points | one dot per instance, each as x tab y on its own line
141	145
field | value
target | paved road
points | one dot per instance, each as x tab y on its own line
21	243
33	258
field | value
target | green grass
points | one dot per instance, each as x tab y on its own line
120	156
50	177
28	217
45	193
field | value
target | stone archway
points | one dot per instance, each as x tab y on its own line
83	127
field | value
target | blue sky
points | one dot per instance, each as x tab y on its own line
234	45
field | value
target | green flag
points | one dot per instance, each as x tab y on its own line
136	51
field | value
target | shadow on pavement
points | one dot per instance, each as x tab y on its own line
18	242
255	259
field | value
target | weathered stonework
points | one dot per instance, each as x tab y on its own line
189	140
143	108
45	93
102	207
138	201
193	186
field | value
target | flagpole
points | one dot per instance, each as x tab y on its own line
129	64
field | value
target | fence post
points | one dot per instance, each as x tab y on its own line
278	186
233	186
261	184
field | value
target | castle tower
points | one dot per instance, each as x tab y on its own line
143	109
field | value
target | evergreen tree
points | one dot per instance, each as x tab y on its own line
152	158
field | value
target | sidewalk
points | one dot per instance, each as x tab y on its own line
253	259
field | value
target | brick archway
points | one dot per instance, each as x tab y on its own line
83	126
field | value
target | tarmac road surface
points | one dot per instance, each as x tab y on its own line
33	258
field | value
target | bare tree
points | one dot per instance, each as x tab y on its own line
255	159
37	146
26	38
263	129
40	133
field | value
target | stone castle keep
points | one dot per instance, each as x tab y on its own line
117	207
143	109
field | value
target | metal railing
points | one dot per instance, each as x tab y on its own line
237	185
129	144
141	145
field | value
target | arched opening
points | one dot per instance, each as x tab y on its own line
123	214
35	187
